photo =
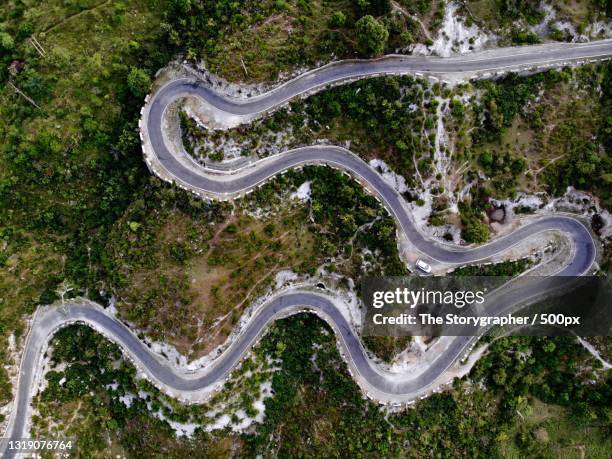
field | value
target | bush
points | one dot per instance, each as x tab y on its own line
6	42
486	158
475	231
338	19
524	37
138	82
372	36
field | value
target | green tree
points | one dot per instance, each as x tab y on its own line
486	158
475	231
6	42
139	82
375	7
338	19
372	35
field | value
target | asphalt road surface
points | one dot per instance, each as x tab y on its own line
375	382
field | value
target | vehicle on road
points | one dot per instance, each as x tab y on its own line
423	266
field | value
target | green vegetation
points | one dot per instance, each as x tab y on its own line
504	268
372	36
70	158
511	18
521	9
79	209
499	14
390	118
177	264
473	229
386	347
553	374
84	400
138	82
257	40
524	37
585	165
505	99
564	135
76	201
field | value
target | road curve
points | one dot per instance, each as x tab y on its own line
476	64
198	385
174	164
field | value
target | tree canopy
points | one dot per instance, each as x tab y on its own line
372	36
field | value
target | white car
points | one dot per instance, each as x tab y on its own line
423	266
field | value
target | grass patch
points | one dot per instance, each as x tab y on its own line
549	429
184	270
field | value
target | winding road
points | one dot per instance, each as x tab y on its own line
172	163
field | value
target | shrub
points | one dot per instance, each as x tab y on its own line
372	36
475	231
138	82
338	19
